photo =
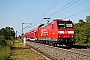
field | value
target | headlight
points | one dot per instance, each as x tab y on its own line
61	32
70	32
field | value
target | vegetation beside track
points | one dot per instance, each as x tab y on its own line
7	36
82	32
5	50
19	52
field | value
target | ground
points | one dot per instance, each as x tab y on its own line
20	52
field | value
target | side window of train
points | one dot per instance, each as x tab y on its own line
52	26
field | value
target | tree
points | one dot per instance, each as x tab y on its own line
7	32
81	21
88	18
3	32
82	32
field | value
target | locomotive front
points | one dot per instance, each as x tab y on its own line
66	32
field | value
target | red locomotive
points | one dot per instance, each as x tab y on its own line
57	32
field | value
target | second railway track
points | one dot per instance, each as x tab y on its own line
61	53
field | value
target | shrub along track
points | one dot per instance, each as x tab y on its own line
62	53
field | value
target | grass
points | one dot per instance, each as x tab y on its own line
19	52
5	50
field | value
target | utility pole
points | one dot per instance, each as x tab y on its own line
25	27
22	28
16	34
24	39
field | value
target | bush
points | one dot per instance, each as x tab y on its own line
2	41
5	48
8	38
4	52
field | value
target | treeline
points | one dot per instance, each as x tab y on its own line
7	35
82	32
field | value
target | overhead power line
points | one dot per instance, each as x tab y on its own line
51	7
60	8
54	5
83	11
65	7
72	7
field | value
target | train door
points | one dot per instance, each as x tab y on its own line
54	32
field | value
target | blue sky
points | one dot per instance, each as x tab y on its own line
14	12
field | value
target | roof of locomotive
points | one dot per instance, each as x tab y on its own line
58	20
61	20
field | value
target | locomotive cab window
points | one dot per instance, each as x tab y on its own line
69	24
61	25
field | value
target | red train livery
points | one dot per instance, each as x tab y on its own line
57	32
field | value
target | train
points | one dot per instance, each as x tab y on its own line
58	32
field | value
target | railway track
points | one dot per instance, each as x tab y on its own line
62	53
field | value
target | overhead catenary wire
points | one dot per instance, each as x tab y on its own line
72	7
64	7
54	6
74	3
51	7
83	11
61	8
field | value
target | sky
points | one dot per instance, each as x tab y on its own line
15	12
